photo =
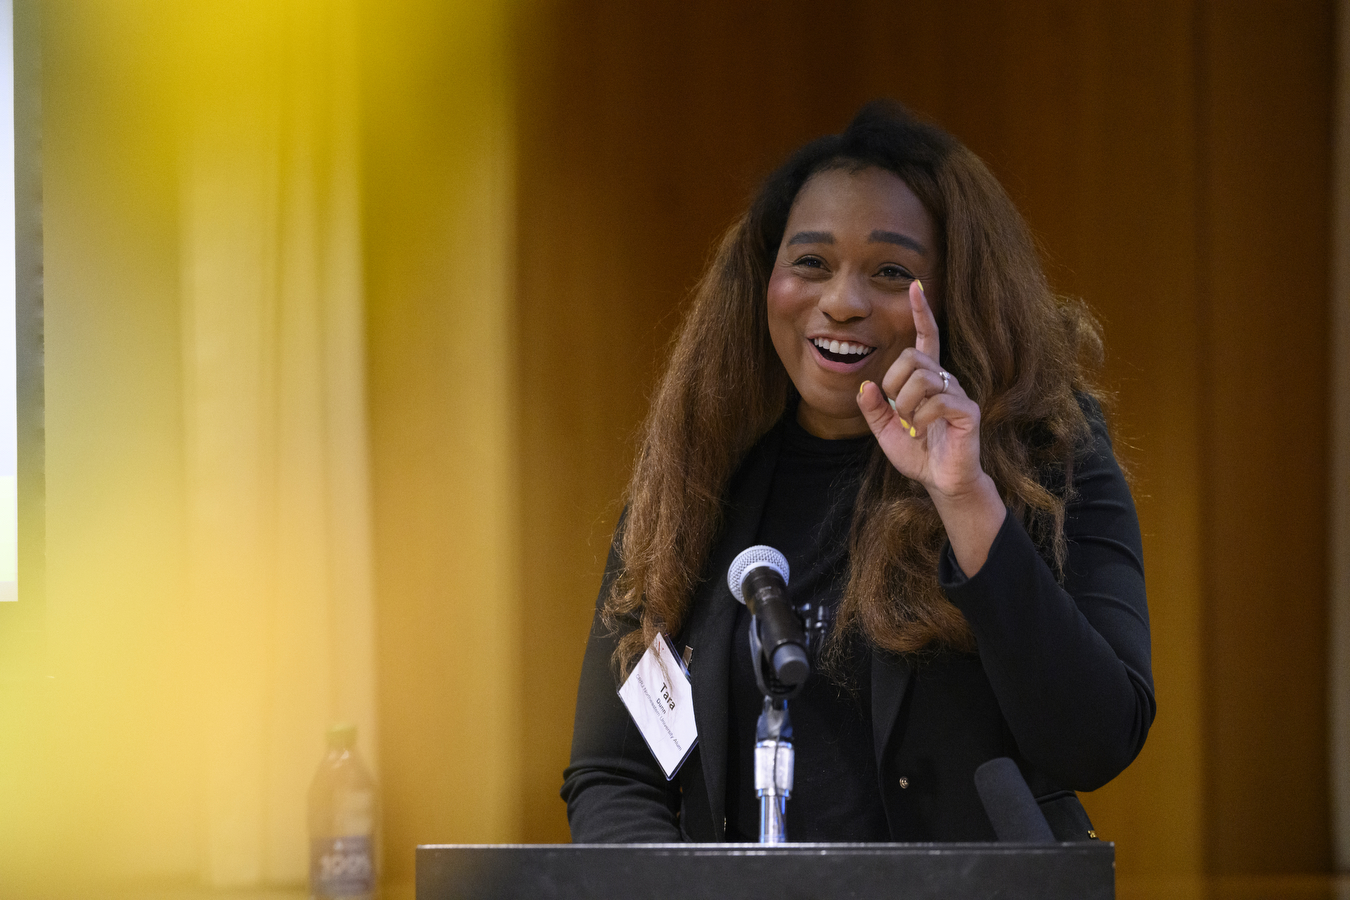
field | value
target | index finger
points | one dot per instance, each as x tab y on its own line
925	326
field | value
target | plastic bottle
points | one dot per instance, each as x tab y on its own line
342	815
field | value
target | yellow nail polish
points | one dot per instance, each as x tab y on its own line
861	386
920	284
905	425
912	432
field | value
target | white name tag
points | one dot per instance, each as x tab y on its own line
661	702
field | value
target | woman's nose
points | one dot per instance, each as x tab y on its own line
844	299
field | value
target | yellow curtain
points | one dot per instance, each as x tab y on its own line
274	418
209	497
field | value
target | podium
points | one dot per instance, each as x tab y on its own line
1007	871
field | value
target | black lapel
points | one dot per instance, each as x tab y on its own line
713	618
890	679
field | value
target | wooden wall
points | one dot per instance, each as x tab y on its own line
1173	158
543	182
1265	139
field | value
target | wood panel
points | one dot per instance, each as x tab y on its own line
650	136
1265	132
1157	165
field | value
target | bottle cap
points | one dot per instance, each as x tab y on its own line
342	736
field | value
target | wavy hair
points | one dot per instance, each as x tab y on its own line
1023	354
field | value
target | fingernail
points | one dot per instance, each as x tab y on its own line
920	284
892	403
912	432
906	425
861	386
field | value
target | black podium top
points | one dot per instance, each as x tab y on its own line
1076	871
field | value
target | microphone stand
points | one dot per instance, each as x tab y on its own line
774	762
775	758
754	572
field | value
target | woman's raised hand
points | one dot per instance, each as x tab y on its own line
931	430
931	433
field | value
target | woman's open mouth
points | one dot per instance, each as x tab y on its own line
845	352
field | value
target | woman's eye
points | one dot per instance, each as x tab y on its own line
812	262
896	272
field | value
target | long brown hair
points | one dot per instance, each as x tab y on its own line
1021	353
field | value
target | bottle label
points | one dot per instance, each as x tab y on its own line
342	867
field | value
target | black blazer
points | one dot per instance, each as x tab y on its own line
1061	683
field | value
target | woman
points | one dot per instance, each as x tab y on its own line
875	379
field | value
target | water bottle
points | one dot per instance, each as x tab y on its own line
342	816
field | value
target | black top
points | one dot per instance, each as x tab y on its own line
1061	682
806	518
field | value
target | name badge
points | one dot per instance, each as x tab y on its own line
661	702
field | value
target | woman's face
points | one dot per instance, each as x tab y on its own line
839	309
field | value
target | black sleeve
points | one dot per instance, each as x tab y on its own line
1070	664
615	790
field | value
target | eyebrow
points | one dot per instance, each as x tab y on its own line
891	237
876	237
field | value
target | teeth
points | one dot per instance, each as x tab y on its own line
844	347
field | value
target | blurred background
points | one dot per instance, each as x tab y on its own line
353	310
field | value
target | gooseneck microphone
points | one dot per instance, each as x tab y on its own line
758	578
1008	802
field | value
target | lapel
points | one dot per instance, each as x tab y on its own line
890	679
713	616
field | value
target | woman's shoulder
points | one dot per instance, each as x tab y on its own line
1096	444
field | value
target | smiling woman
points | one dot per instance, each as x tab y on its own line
838	296
875	379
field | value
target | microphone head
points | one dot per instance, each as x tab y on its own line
753	558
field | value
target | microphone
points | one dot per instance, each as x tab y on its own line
1009	805
758	578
